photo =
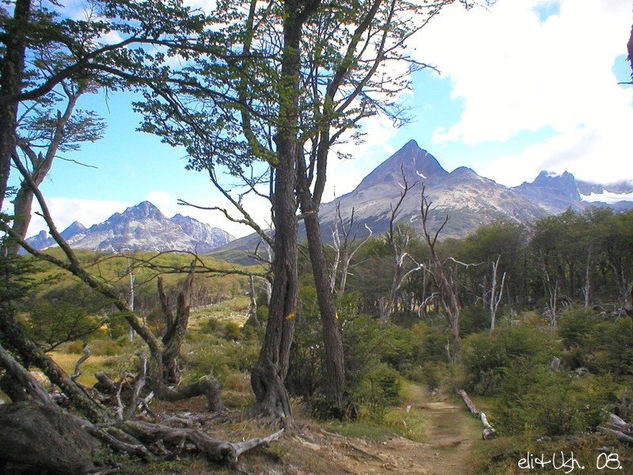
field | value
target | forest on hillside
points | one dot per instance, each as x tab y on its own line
173	362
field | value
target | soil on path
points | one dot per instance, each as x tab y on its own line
450	434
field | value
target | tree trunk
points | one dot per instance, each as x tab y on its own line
11	84
175	334
252	308
334	355
269	373
42	164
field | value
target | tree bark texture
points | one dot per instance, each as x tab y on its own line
11	84
42	164
175	335
269	373
332	342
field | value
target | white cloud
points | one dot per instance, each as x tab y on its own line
66	210
517	73
608	197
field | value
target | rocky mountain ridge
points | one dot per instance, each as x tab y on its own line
470	200
140	228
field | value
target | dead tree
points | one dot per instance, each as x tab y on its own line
206	386
495	294
552	301
131	297
398	238
61	442
344	249
176	327
446	285
252	308
487	431
619	428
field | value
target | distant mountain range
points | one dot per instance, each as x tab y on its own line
556	193
140	228
469	199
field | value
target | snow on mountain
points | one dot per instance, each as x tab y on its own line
141	227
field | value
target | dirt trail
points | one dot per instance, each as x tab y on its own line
450	435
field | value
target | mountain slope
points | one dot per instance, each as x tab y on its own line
141	227
467	198
556	193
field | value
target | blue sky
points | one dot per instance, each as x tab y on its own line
526	85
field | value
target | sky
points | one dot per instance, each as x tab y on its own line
524	86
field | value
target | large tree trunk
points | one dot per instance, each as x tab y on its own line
334	355
269	373
11	84
175	334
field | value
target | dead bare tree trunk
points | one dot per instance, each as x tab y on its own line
252	308
448	293
345	249
32	353
131	297
487	430
495	298
175	334
398	239
552	292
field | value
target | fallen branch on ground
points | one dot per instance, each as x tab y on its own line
619	428
487	431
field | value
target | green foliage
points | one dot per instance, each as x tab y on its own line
379	389
474	319
53	323
486	356
232	331
538	401
220	359
575	327
612	350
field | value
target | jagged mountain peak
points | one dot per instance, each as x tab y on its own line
142	227
563	184
145	209
74	228
416	163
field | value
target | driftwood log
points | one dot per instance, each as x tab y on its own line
487	431
619	428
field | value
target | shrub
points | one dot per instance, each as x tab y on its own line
486	356
379	389
232	331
